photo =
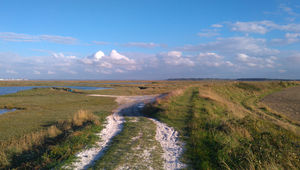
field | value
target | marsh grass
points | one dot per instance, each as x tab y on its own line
43	108
53	146
224	128
48	118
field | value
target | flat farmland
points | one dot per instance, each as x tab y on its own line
286	102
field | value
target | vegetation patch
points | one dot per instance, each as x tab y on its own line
219	137
55	145
134	148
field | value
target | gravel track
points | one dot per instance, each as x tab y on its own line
130	106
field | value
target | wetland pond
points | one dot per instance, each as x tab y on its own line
6	110
15	89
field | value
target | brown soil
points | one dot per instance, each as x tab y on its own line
286	102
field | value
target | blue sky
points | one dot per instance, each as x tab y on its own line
149	39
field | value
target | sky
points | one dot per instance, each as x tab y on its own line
149	39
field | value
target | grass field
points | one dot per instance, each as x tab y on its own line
37	120
35	129
225	126
43	107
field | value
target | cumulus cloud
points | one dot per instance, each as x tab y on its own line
143	44
114	62
175	58
11	36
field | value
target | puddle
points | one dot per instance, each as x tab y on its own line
2	111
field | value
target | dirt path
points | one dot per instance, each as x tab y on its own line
87	157
130	106
171	145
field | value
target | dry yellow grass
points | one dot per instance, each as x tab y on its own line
26	142
83	116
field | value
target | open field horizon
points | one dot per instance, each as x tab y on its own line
234	111
150	84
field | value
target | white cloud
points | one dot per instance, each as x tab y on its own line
229	63
98	55
175	58
213	59
176	54
108	64
233	45
11	36
117	56
256	61
210	55
36	72
243	57
292	37
250	27
262	27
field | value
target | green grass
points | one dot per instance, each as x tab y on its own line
44	107
135	147
223	124
60	150
24	133
238	135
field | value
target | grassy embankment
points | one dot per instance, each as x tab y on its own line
134	148
42	132
226	127
49	127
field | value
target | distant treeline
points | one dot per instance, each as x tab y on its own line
239	79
